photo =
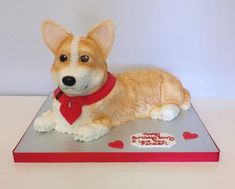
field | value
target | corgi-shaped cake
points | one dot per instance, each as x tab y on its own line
90	100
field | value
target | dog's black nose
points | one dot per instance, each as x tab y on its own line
69	80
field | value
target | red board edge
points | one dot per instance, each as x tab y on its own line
116	157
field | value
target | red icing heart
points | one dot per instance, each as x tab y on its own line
189	136
116	144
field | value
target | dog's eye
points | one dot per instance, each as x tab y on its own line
63	58
84	58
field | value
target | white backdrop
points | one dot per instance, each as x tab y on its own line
194	39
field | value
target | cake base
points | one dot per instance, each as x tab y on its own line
191	143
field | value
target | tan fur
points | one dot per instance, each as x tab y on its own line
136	93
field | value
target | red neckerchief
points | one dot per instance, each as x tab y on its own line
71	107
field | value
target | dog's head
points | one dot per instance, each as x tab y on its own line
80	62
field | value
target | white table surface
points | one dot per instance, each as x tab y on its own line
218	115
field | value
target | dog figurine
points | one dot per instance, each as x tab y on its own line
89	100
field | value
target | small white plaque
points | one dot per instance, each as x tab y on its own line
152	139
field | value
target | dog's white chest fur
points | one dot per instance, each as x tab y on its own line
63	126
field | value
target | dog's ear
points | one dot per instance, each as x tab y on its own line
103	35
54	34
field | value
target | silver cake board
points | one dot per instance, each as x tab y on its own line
58	147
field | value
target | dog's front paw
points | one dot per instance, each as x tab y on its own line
91	132
45	122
